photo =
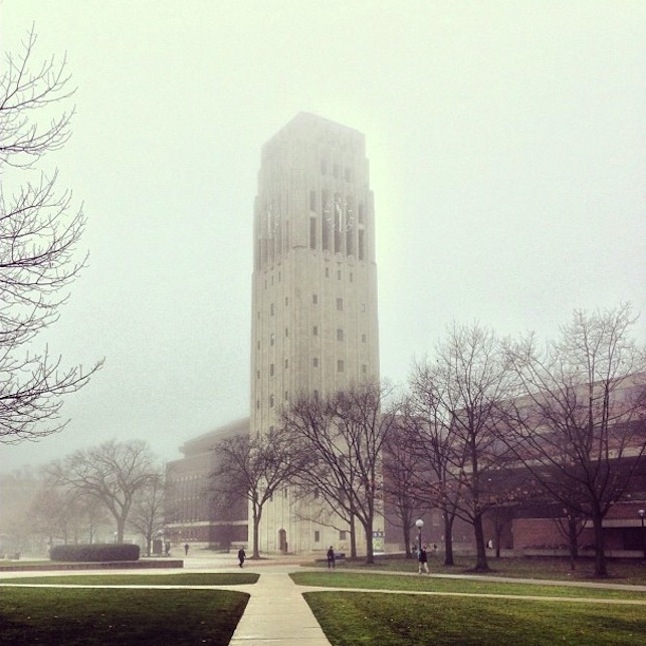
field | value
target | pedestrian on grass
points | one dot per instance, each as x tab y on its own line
422	560
241	556
331	558
186	548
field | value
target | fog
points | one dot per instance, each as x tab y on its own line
506	151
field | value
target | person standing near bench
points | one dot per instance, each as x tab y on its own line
241	556
331	558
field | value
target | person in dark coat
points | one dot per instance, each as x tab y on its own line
331	558
422	560
241	556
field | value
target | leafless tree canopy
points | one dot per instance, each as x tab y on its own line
580	425
113	474
254	469
344	435
39	236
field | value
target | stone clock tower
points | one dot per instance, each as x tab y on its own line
314	323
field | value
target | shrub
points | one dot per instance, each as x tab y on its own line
95	552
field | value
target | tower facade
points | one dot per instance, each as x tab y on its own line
314	289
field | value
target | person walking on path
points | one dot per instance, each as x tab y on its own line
186	548
422	559
330	558
241	556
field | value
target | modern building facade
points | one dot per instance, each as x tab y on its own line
194	515
314	290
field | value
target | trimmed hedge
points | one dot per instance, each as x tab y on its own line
95	552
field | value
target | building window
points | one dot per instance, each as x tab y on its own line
271	401
313	224
363	307
286	363
315	330
315	394
363	338
339	304
258	345
315	362
343	535
257	404
364	368
338	274
286	300
340	365
272	309
362	244
286	395
272	339
271	370
286	331
257	374
339	334
317	536
351	277
327	272
315	299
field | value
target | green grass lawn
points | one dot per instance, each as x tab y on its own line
376	581
93	617
357	618
179	579
619	571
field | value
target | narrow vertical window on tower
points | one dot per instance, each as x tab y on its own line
362	244
325	221
313	227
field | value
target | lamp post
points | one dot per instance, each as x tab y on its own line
641	513
419	523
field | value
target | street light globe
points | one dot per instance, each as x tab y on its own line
641	513
419	523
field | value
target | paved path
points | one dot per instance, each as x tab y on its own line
277	614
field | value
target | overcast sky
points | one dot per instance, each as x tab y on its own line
506	149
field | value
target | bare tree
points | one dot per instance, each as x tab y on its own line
344	435
254	468
39	234
147	513
580	427
437	444
460	399
113	474
403	470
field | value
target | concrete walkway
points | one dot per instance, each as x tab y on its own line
277	614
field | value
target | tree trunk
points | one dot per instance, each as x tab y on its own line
448	539
600	565
481	553
120	529
573	542
353	537
256	534
406	531
370	554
